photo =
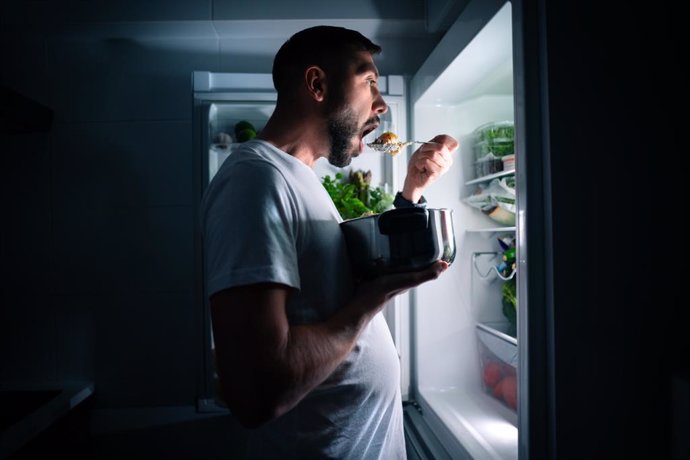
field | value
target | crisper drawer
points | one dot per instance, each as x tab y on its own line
498	358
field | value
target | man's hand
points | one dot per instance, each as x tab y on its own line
383	288
427	164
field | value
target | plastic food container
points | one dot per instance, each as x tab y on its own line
497	138
489	164
502	214
498	358
508	162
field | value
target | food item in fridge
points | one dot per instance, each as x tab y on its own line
496	200
505	390
498	360
496	138
488	164
507	271
246	135
509	303
492	373
501	215
509	391
244	131
496	131
244	124
222	141
509	162
354	196
493	141
497	389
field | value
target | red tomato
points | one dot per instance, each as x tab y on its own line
492	374
507	369
497	390
509	390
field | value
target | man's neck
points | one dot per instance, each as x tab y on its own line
301	136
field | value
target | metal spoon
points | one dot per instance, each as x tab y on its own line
389	147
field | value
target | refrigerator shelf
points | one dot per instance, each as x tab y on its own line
499	330
490	230
490	177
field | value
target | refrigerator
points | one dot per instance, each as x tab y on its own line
455	337
469	355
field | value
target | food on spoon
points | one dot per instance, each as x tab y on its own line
388	142
387	138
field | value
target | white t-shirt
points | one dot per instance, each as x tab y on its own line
266	217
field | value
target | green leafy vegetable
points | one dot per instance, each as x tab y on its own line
354	197
497	131
509	301
509	288
510	292
496	138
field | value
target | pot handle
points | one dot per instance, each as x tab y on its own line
403	220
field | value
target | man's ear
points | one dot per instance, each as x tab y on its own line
315	79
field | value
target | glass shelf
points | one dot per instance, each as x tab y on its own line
501	330
490	230
490	177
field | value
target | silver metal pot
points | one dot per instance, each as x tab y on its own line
399	240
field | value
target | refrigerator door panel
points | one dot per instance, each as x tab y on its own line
465	83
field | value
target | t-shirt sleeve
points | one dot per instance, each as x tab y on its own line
249	229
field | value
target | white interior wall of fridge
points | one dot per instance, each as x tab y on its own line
474	89
222	118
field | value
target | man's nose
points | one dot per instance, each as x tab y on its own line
380	106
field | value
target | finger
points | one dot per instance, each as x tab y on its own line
443	159
437	150
450	142
435	163
432	272
409	280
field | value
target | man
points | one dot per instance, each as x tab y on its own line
303	353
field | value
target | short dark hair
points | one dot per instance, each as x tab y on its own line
329	47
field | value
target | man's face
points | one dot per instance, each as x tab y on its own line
353	109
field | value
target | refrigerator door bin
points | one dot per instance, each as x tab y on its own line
498	359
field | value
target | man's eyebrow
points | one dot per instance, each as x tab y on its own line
366	67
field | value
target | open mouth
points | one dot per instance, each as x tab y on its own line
364	134
369	130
